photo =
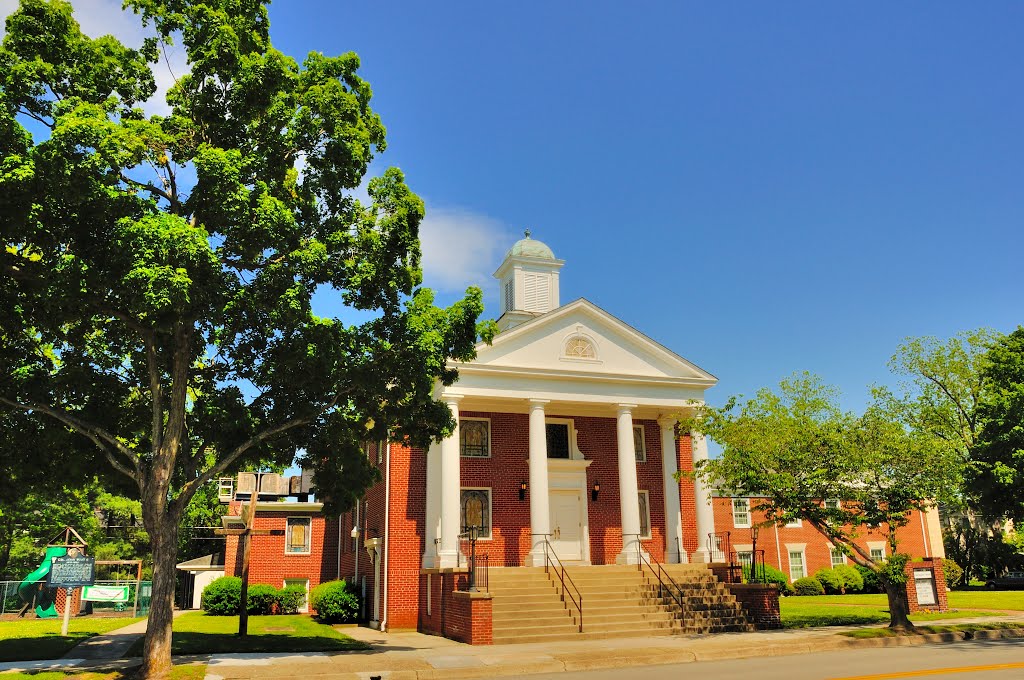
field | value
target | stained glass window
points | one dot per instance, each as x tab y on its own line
645	515
475	438
476	510
639	448
298	535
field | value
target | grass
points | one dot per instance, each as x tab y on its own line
194	671
867	633
197	633
846	610
31	639
1010	600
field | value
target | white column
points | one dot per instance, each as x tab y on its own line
673	514
705	513
629	503
447	555
540	517
432	529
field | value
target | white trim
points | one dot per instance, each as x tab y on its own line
800	548
489	438
574	450
309	535
794	523
647	506
732	507
490	510
876	545
831	557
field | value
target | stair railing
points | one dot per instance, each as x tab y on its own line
660	574
551	562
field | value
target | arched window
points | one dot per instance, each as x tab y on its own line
578	347
476	510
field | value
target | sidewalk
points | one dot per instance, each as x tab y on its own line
414	656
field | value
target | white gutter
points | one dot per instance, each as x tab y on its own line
387	537
778	549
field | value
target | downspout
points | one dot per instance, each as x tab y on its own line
387	536
924	535
778	547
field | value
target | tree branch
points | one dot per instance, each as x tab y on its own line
94	433
145	186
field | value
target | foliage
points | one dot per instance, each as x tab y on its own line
830	581
979	547
852	581
221	596
289	599
998	473
335	602
772	575
157	273
870	578
261	599
795	447
204	510
808	585
953	573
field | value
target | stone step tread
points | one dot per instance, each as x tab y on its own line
585	635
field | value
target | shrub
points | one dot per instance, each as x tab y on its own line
261	599
954	574
853	582
335	602
808	586
289	599
872	580
772	575
221	597
830	581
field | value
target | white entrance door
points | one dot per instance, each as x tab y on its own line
567	525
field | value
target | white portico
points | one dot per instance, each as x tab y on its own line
583	384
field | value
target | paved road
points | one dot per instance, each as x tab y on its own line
981	660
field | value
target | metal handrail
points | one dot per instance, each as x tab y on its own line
675	591
549	552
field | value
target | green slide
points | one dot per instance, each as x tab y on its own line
28	587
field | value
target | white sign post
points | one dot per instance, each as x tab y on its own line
67	611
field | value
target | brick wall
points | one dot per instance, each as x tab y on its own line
935	565
760	603
406	530
773	540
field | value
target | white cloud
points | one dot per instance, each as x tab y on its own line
461	248
105	17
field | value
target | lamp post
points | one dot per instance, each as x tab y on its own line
753	553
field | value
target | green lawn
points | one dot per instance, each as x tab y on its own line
197	633
1012	600
31	639
845	610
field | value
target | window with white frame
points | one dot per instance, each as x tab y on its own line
226	489
475	437
645	514
832	504
578	347
639	445
304	584
794	523
297	536
558	438
476	511
797	569
877	553
741	513
838	556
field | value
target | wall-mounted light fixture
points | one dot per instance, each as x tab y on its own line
522	491
596	490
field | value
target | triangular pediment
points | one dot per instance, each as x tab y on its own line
618	349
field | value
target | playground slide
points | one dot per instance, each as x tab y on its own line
29	587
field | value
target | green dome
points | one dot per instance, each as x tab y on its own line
529	247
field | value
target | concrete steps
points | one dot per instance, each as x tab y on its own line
618	601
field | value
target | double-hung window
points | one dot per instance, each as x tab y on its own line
796	565
741	513
838	556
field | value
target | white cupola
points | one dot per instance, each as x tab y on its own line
529	282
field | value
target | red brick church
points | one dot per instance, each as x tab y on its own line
564	456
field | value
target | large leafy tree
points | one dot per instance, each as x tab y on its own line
998	474
157	275
795	447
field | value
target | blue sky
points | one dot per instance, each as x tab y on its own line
762	187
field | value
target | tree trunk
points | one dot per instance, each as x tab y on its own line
156	654
899	606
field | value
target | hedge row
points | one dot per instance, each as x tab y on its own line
222	596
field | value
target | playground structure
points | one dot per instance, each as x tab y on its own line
122	591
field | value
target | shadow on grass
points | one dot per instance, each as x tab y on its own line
229	643
45	646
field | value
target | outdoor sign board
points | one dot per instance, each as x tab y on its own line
71	572
924	580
